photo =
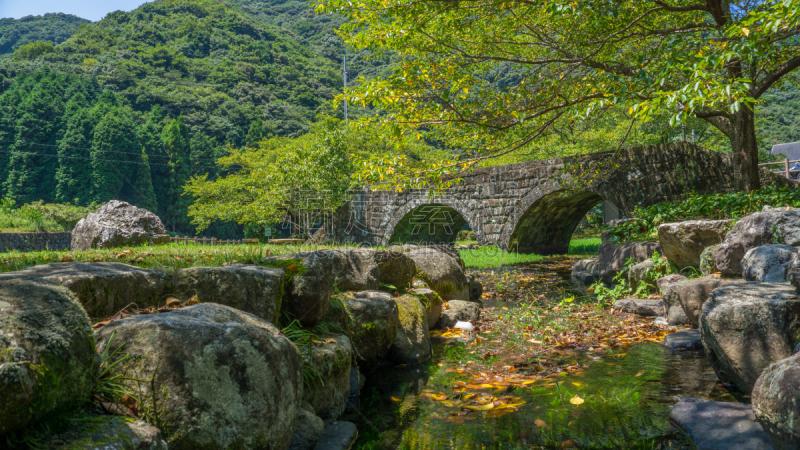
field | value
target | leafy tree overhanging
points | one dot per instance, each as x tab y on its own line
712	59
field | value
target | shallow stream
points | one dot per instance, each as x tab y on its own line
624	398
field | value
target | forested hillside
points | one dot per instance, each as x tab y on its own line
55	28
177	79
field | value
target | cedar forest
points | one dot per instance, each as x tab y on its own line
135	105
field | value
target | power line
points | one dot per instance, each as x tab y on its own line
96	159
97	150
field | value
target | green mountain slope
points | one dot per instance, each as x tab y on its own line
56	28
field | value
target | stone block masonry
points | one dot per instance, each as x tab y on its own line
34	242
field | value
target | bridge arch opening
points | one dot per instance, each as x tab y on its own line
429	223
546	227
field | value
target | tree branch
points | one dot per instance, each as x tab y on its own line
772	77
719	119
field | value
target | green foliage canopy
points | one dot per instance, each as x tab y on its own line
492	76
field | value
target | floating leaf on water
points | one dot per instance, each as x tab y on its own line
576	400
542	424
569	444
578	383
639	373
438	397
395	399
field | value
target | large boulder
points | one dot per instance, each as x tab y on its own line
395	268
102	288
412	343
448	250
459	311
216	377
693	293
612	258
683	242
719	425
746	327
308	286
775	402
441	272
247	287
354	269
372	318
46	353
330	360
646	272
107	432
432	302
768	262
118	224
585	271
773	226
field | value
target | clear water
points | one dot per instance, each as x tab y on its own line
628	395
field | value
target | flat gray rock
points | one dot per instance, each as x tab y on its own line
337	436
719	425
640	306
684	340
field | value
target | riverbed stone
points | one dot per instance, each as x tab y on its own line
330	357
644	272
768	262
432	302
308	285
412	342
102	288
683	242
338	436
773	226
640	306
684	340
475	289
248	287
775	402
441	272
676	315
613	257
373	319
459	311
118	224
668	286
308	430
221	377
108	432
693	293
746	327
395	268
47	353
719	425
585	271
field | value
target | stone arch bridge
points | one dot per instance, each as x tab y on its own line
533	207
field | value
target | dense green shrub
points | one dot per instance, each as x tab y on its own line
41	217
732	205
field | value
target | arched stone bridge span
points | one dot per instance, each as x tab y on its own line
534	207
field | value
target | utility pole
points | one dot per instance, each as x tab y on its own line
344	74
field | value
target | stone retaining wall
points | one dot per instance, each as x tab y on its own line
31	242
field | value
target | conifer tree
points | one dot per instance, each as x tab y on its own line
255	133
74	164
143	194
32	167
175	136
114	144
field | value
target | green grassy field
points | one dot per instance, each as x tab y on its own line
494	257
583	246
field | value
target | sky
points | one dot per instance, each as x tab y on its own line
93	10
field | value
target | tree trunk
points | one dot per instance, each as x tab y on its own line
745	150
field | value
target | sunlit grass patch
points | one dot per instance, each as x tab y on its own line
167	257
493	256
582	246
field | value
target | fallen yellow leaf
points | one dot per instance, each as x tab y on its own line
576	400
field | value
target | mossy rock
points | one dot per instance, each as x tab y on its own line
441	272
108	432
412	343
308	284
372	320
330	358
216	377
47	352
